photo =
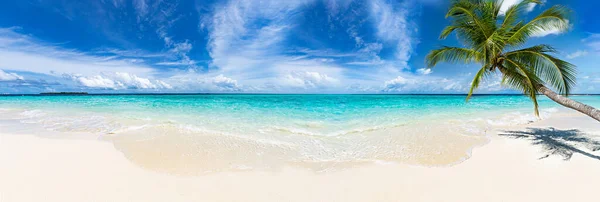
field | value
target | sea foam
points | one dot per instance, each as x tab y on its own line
200	134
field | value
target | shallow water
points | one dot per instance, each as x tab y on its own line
195	134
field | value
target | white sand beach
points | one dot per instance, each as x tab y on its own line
299	101
506	169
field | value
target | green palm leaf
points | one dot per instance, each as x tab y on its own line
453	55
555	18
490	39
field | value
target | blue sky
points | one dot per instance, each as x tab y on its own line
267	46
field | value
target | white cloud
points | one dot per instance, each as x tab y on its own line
192	81
6	76
182	50
325	53
255	54
506	4
134	81
138	55
417	84
246	41
23	53
232	40
343	15
226	83
593	42
178	63
543	33
368	63
159	15
397	82
368	55
141	7
117	81
424	71
46	64
393	27
248	45
95	82
116	69
371	48
308	79
539	33
183	47
491	83
576	54
409	83
228	26
334	6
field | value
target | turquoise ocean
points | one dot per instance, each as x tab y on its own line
191	134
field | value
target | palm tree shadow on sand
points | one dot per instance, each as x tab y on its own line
562	143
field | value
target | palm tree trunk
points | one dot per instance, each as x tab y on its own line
583	108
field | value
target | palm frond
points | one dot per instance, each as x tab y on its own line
555	18
512	14
452	55
557	73
517	76
448	30
480	76
466	12
489	36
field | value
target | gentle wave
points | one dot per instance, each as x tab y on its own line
305	131
192	142
520	118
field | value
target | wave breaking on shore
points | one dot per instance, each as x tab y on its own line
187	149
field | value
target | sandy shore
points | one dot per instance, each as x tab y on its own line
506	169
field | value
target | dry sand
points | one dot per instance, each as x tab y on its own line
506	169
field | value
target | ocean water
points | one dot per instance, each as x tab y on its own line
195	134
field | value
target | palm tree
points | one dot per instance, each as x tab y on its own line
495	39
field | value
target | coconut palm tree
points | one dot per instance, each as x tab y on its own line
495	39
